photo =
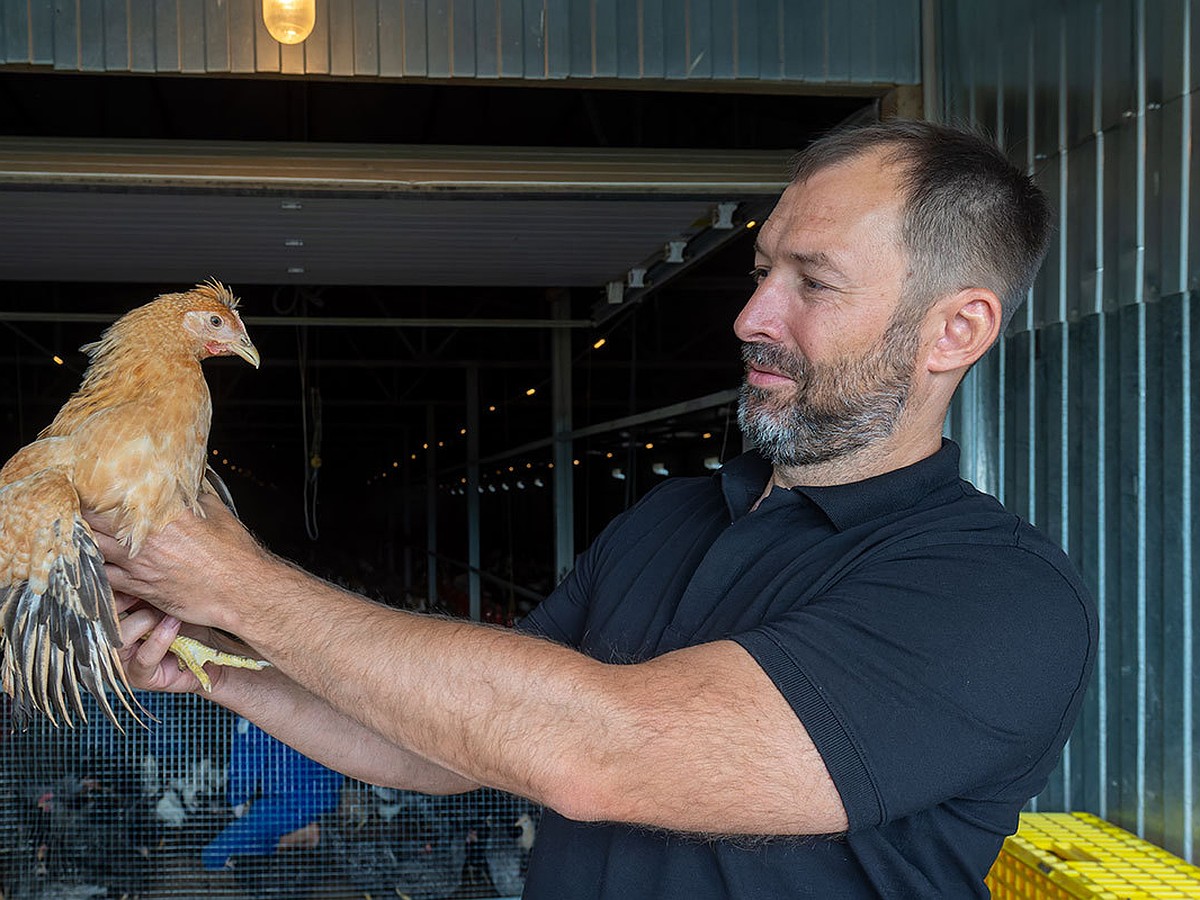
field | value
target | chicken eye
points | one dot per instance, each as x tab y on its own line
215	321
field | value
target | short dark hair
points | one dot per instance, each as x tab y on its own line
971	218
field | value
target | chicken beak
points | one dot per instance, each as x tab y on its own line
245	350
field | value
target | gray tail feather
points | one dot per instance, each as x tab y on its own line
219	488
54	642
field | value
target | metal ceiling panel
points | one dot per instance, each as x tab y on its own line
258	213
104	236
845	43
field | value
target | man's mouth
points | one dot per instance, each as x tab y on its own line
763	377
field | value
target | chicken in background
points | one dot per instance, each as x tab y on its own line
130	443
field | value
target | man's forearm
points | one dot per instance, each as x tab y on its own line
463	696
310	725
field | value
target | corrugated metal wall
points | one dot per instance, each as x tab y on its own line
857	42
1082	419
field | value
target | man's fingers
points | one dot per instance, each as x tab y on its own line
125	602
158	642
139	624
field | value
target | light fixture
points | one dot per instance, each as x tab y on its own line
600	343
289	21
531	392
57	360
751	224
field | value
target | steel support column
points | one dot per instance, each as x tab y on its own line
431	504
564	473
473	492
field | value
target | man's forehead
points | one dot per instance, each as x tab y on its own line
843	203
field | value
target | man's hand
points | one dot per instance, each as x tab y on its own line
147	634
192	569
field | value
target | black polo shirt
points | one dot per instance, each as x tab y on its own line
935	647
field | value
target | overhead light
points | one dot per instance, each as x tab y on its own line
289	21
650	445
491	409
395	464
531	392
706	435
751	223
57	360
600	343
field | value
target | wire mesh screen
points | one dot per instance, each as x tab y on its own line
202	804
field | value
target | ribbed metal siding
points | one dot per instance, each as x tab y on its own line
1082	419
857	42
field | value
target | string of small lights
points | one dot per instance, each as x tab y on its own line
598	344
243	471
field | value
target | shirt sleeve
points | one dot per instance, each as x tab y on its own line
942	671
562	616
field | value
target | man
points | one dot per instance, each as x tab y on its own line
833	637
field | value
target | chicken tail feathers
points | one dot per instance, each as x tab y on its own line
213	483
59	631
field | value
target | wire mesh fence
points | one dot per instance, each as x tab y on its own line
202	804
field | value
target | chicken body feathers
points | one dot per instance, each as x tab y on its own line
131	443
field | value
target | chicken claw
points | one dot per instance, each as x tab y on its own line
193	655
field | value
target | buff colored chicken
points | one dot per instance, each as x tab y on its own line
130	443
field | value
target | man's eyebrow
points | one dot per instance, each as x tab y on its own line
817	260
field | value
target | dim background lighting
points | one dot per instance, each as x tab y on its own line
289	21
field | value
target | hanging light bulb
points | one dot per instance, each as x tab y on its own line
289	21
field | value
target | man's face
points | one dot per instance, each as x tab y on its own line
830	351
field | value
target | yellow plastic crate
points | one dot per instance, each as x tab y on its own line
1063	856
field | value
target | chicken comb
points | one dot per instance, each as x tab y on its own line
214	290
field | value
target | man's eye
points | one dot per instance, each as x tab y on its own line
758	273
810	285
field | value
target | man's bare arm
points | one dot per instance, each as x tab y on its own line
281	708
696	740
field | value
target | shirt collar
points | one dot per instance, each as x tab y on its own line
847	505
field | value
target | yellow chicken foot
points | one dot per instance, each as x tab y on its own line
193	655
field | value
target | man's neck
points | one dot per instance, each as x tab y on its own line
877	459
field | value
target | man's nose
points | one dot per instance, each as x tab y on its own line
761	319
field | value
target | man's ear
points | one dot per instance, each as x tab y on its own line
968	323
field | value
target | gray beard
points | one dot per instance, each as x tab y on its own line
834	410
